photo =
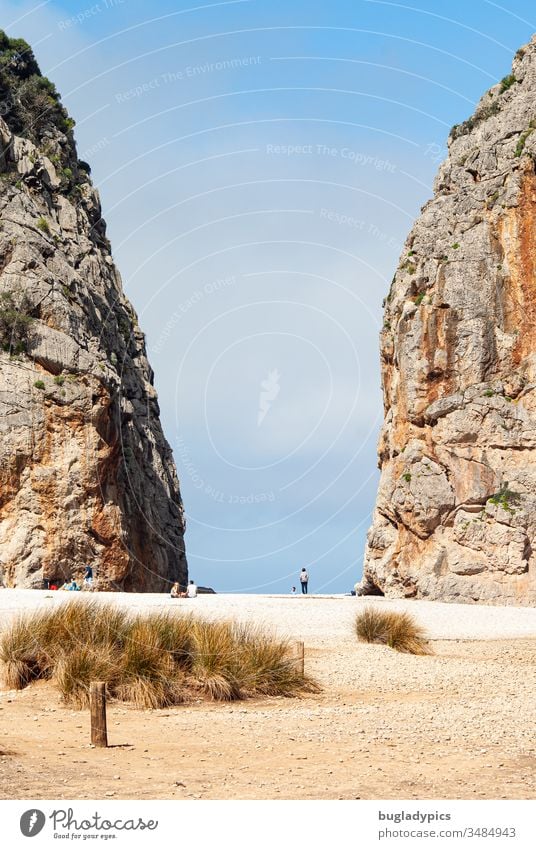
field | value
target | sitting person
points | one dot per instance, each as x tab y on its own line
191	590
178	592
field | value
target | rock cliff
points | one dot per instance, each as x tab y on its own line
86	475
455	516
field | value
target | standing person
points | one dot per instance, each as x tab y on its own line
304	580
191	590
88	576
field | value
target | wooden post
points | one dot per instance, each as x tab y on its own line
97	703
298	655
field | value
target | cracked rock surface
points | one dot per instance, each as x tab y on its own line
455	516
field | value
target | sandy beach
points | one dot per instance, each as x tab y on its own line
458	724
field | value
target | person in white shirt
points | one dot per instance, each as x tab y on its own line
191	590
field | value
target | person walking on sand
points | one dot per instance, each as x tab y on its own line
304	580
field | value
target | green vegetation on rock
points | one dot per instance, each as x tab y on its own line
43	225
520	147
481	115
32	108
504	498
15	321
507	82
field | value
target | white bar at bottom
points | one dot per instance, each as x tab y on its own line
274	824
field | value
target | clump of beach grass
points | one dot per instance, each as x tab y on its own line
214	661
151	660
399	631
264	665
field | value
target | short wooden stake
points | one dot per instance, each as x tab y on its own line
298	655
97	703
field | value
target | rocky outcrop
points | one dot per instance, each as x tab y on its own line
86	475
455	517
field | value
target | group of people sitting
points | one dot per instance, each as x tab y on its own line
189	592
72	585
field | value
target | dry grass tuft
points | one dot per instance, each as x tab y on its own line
75	669
214	660
23	656
153	660
265	666
370	626
399	631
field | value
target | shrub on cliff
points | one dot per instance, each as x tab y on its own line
31	105
152	660
399	631
15	322
16	56
40	107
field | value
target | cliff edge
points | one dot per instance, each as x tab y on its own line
455	516
86	475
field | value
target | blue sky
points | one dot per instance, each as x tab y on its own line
260	164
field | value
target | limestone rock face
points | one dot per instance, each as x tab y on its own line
86	475
455	516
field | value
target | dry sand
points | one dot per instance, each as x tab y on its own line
459	724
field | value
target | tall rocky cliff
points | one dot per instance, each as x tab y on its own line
455	516
86	475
